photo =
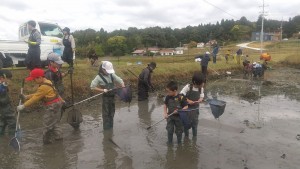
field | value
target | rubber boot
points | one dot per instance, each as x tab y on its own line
170	138
179	138
186	133
194	130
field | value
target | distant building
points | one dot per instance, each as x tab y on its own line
167	52
179	51
138	52
275	36
153	49
200	45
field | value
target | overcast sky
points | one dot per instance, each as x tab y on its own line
121	14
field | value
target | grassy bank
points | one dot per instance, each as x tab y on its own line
179	68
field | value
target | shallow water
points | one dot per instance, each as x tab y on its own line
252	133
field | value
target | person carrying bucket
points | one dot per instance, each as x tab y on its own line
47	93
172	103
194	94
105	82
7	114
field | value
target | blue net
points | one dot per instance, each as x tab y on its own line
217	107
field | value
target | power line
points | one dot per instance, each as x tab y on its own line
220	9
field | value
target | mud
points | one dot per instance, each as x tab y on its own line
251	134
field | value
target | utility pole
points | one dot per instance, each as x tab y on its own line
281	30
262	27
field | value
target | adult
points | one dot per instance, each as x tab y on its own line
69	43
144	83
214	53
204	64
33	59
105	82
239	53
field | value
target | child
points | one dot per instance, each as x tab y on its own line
52	103
194	94
173	102
54	74
7	117
104	82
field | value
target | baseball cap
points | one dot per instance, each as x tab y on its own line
207	53
5	73
108	67
55	58
152	64
35	73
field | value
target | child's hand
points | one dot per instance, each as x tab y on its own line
165	115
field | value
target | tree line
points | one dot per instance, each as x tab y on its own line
122	42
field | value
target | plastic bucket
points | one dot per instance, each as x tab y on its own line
217	107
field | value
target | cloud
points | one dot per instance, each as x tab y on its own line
121	14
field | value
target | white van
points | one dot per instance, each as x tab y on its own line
51	36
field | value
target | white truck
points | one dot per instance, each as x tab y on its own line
14	52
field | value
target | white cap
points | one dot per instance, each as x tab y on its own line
207	53
55	58
254	63
108	67
198	60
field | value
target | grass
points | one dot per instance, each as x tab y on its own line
179	68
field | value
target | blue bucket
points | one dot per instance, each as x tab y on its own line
217	107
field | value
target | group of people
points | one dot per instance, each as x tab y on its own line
33	59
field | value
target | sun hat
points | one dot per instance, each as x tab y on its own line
55	58
108	67
35	73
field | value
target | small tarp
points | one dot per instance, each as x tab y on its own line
217	107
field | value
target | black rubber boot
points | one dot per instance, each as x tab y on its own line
179	138
170	138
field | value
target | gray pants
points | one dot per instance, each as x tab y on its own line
52	131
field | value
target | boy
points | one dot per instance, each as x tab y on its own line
52	103
173	102
104	82
228	52
7	117
54	74
194	94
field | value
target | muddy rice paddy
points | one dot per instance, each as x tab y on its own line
259	130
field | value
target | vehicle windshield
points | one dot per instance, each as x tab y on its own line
50	30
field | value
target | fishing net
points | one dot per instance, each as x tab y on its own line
217	107
125	94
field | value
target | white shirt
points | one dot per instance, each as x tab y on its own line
186	88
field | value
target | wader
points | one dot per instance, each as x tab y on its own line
56	79
68	53
108	104
194	114
7	117
174	121
51	118
33	59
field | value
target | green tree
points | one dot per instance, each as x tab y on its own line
117	45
